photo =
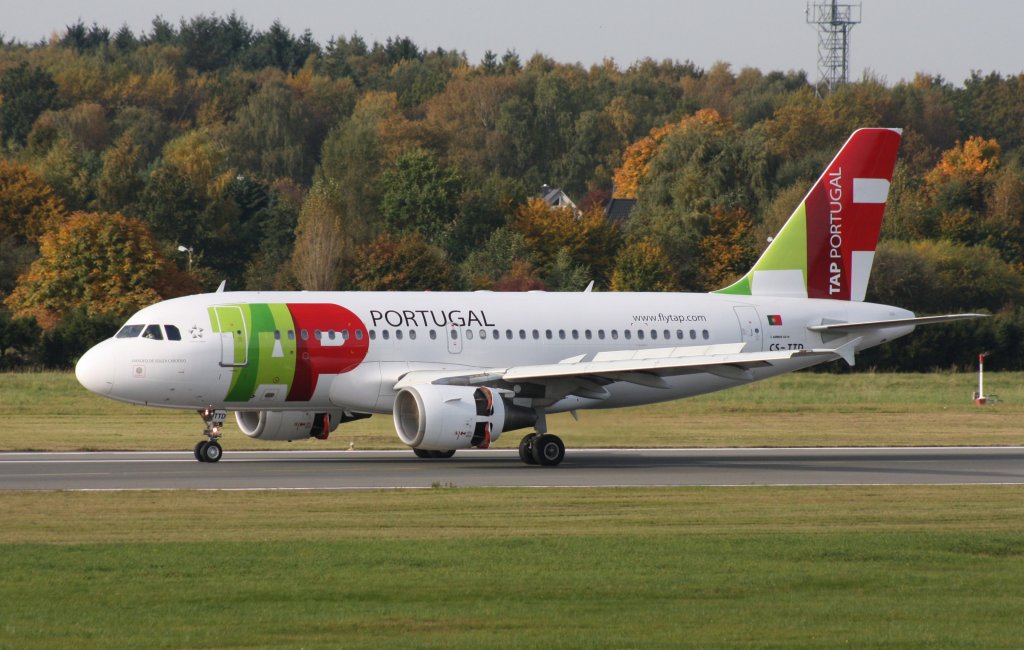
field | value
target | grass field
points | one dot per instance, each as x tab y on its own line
50	411
903	567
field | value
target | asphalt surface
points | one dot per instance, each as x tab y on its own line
355	470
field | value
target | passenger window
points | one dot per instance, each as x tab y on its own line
536	335
483	334
654	334
575	334
627	334
373	335
469	335
454	334
385	334
330	335
587	333
130	331
398	334
304	334
547	334
496	334
318	335
291	335
344	335
277	335
412	335
615	334
433	335
561	334
693	335
508	334
173	333
706	335
522	334
359	335
639	334
152	332
600	334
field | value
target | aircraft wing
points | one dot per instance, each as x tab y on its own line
587	377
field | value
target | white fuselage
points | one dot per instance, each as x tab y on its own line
337	350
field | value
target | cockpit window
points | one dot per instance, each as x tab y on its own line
130	331
173	333
153	332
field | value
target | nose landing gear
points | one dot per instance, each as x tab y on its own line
210	451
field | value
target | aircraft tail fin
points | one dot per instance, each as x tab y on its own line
827	247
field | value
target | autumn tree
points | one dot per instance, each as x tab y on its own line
636	160
407	263
103	263
956	187
588	238
28	206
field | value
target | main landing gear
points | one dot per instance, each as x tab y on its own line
541	449
210	451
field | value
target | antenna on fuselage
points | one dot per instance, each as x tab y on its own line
220	289
589	288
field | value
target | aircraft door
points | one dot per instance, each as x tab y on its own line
234	336
750	328
455	339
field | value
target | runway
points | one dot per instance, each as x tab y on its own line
357	470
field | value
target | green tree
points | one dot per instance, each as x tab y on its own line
487	264
643	266
271	135
421	196
25	92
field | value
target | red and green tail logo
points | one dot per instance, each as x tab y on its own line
827	246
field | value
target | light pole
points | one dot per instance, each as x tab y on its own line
186	249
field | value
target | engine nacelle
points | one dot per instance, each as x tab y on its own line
441	418
287	425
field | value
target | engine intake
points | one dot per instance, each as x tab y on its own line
441	418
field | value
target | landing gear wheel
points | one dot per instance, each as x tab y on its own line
422	453
526	449
198	450
548	450
447	453
211	451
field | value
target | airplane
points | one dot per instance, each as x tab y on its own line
456	370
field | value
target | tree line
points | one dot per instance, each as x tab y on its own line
136	167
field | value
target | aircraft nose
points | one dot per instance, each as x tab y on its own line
95	371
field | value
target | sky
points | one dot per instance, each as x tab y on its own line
895	39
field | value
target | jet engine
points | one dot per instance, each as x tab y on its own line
437	417
287	425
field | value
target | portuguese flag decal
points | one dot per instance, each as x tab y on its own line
774	320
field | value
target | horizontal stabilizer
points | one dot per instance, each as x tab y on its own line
896	322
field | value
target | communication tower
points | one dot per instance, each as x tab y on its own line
834	21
